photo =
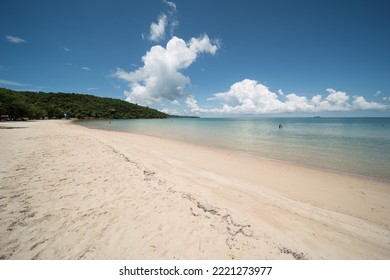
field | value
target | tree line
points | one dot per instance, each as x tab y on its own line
40	105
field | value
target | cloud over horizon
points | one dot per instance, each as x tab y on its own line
251	97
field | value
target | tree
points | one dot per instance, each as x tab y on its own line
54	105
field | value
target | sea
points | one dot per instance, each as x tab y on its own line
359	146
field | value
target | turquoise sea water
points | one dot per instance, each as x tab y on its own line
350	145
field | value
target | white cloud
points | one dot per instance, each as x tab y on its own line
160	78
337	101
170	4
295	103
192	103
248	96
85	68
359	103
14	39
251	97
172	112
166	20
157	30
92	88
66	49
12	83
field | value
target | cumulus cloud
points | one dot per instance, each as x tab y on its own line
251	97
14	39
336	101
359	103
161	78
248	96
192	104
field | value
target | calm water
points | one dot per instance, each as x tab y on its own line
352	145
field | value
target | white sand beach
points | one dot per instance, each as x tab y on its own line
69	192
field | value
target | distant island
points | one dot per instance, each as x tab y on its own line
22	105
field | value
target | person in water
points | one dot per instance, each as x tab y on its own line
280	126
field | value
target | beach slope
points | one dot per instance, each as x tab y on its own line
68	192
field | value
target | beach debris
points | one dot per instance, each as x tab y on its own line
296	255
148	175
233	229
208	208
11	127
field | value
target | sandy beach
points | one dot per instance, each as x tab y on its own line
69	192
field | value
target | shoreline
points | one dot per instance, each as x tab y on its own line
292	159
277	167
76	193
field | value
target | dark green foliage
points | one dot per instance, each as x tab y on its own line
38	105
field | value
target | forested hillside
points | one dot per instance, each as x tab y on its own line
38	105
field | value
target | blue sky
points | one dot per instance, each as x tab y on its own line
204	57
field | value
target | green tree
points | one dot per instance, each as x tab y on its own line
54	105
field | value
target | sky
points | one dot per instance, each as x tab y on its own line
204	57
